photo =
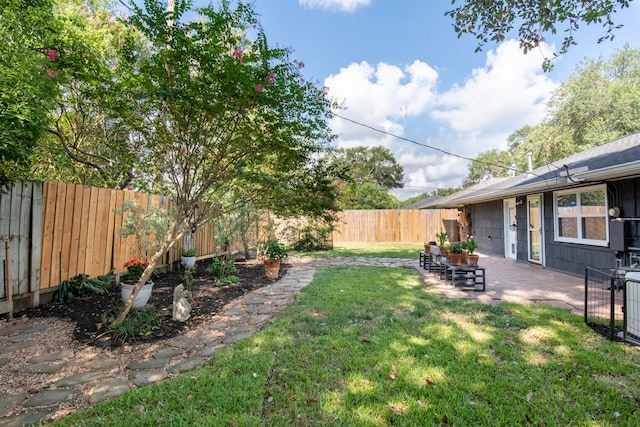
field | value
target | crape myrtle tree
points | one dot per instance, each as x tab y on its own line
217	111
492	21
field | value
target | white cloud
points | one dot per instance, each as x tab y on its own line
509	92
340	5
380	97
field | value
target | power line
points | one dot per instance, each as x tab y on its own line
423	145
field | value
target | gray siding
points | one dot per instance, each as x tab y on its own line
486	227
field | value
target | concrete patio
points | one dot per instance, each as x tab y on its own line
508	280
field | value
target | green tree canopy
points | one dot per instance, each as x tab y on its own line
29	67
370	164
494	20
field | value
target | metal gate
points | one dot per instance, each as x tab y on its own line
632	307
612	302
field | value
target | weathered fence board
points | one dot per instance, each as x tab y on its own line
392	225
20	221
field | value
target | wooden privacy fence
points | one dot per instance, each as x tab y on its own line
51	232
394	225
55	231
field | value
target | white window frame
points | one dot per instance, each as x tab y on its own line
579	216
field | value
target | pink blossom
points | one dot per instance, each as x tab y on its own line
259	87
272	78
52	54
237	53
52	73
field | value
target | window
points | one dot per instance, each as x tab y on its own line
581	216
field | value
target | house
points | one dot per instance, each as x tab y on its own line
581	210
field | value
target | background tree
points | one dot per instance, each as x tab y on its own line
219	111
371	164
494	20
371	172
367	196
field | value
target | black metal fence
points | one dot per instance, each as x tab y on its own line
604	300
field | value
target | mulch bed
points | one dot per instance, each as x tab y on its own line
208	300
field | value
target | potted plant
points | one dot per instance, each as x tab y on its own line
455	254
442	238
445	250
472	258
272	253
188	259
135	267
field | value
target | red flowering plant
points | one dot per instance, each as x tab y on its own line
135	267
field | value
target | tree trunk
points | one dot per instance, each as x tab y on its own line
171	238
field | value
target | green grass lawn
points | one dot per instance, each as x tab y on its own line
386	250
367	346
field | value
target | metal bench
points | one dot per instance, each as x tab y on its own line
463	275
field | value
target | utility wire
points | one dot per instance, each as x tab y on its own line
428	146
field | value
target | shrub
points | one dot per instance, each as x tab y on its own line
82	286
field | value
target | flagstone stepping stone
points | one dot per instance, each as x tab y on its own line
42	368
30	418
210	337
233	312
239	329
61	355
51	397
264	309
76	379
112	387
37	328
254	320
106	364
141	378
185	365
14	347
182	342
19	338
166	353
235	338
219	326
209	350
148	364
9	402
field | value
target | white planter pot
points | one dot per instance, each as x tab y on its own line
143	296
188	261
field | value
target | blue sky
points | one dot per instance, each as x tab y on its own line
397	65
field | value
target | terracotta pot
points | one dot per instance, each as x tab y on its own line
472	260
455	259
272	268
